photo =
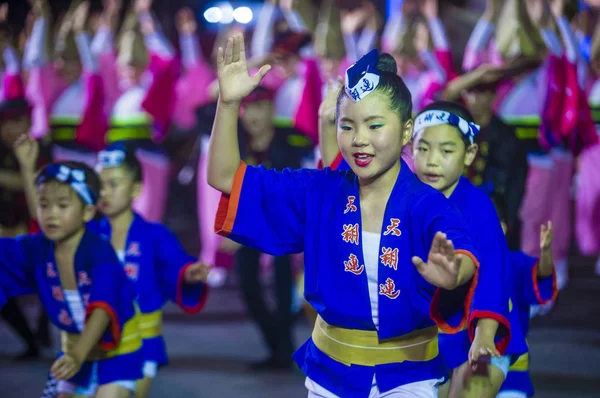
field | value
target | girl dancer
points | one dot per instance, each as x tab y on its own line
323	213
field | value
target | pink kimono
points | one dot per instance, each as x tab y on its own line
425	86
142	114
192	86
547	192
12	82
587	204
59	108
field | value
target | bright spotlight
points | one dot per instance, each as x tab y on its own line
213	15
227	13
242	15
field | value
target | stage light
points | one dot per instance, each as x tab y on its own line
213	15
226	13
242	15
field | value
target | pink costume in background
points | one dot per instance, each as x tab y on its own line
141	116
535	106
481	47
587	205
11	81
192	86
425	85
297	98
73	114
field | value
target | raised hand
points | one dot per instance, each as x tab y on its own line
421	39
327	107
197	272
141	6
546	236
186	23
429	8
80	16
442	266
26	151
234	81
3	12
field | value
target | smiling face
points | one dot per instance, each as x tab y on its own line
371	135
440	156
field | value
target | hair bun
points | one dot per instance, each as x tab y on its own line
387	64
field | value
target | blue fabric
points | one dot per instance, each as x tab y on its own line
318	212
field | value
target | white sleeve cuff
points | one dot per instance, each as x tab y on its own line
438	34
11	61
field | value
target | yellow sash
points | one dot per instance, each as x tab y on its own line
151	324
522	364
363	347
131	341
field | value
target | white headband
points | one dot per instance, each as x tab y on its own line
111	158
435	118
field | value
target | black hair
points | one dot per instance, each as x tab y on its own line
91	177
131	162
452	107
392	86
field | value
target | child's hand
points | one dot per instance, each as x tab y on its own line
186	22
327	107
80	16
66	367
26	150
443	264
197	272
235	83
546	236
483	345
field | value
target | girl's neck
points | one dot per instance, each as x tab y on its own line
69	245
122	220
380	186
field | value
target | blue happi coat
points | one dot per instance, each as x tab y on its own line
318	212
529	290
27	266
156	262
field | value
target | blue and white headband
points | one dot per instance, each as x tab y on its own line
362	78
111	158
75	178
435	118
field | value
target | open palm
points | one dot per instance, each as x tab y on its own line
234	81
443	264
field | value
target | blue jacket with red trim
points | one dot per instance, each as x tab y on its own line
318	212
28	265
156	262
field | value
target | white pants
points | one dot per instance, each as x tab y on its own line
150	369
419	389
91	389
511	394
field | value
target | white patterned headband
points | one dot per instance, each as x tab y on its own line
435	118
75	178
111	158
362	78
